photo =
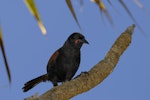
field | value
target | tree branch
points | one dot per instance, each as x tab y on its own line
86	81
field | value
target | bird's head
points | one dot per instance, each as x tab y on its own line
77	40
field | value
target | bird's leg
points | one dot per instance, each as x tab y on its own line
54	81
55	84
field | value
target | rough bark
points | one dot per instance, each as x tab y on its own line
86	81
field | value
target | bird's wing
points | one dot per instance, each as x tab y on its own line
52	60
53	57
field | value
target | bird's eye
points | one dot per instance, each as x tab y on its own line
78	39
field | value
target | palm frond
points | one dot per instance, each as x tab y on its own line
131	16
4	56
104	10
72	12
33	9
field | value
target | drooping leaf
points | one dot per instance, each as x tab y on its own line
109	1
73	12
33	9
81	4
104	10
4	56
131	16
139	4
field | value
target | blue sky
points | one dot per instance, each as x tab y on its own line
28	51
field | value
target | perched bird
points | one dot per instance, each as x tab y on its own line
63	64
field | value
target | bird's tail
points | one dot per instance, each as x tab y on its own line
30	84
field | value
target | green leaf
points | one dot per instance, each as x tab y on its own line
33	9
131	16
104	10
4	56
72	12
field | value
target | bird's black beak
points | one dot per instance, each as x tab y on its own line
85	41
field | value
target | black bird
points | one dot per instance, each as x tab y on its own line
63	64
